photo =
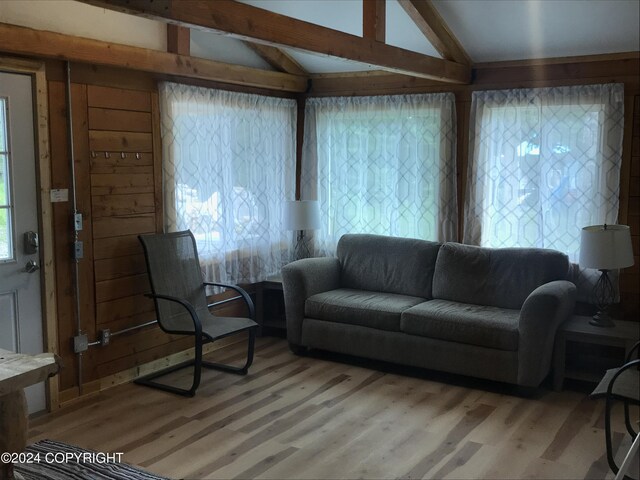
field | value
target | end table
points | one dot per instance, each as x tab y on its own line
577	329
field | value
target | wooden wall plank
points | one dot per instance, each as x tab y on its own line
115	160
130	344
100	140
116	226
122	287
118	98
110	184
119	120
157	163
132	321
121	246
142	357
110	268
86	281
60	178
135	203
119	308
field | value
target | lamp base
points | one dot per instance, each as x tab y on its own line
602	319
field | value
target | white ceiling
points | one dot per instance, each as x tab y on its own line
489	30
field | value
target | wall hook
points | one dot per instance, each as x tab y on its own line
137	156
123	155
106	155
93	154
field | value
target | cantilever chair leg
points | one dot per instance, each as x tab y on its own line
198	363
231	368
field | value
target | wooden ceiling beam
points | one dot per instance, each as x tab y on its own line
256	24
278	59
27	41
178	39
374	19
432	25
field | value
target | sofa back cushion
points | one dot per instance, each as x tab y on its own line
499	277
387	264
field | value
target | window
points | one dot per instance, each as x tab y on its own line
544	163
6	247
229	165
382	165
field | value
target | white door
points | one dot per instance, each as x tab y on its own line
20	302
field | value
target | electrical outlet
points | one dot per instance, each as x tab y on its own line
80	343
78	250
105	337
77	221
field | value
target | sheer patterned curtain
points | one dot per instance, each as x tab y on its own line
544	163
383	165
229	165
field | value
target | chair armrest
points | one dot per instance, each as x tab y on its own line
194	316
544	310
242	292
302	279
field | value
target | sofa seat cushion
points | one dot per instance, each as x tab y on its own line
360	307
480	325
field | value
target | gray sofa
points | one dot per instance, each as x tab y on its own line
488	313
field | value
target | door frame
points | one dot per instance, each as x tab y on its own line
36	69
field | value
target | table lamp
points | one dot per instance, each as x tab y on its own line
302	215
605	247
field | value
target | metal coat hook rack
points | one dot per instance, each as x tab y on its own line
106	154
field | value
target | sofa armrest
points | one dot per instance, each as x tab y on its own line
302	279
544	310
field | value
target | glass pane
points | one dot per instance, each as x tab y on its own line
5	234
3	124
4	197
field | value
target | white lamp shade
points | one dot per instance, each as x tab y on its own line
302	215
606	247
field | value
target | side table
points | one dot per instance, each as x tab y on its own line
18	371
577	329
270	305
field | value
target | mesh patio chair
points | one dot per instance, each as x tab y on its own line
178	291
621	383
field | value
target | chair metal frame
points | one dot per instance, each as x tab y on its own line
200	338
610	396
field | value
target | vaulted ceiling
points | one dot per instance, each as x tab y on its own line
489	30
285	42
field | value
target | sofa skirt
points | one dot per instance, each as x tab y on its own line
412	350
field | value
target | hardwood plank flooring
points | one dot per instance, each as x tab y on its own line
325	417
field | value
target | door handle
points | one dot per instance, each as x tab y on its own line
31	266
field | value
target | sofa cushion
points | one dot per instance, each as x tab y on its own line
358	307
387	264
499	277
464	323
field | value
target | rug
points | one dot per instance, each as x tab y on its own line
48	459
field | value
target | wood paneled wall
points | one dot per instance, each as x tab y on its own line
117	149
119	193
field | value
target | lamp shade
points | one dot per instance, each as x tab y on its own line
302	215
606	247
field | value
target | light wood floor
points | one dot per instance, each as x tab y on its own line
316	418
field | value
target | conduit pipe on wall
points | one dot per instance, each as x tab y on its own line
104	339
76	223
